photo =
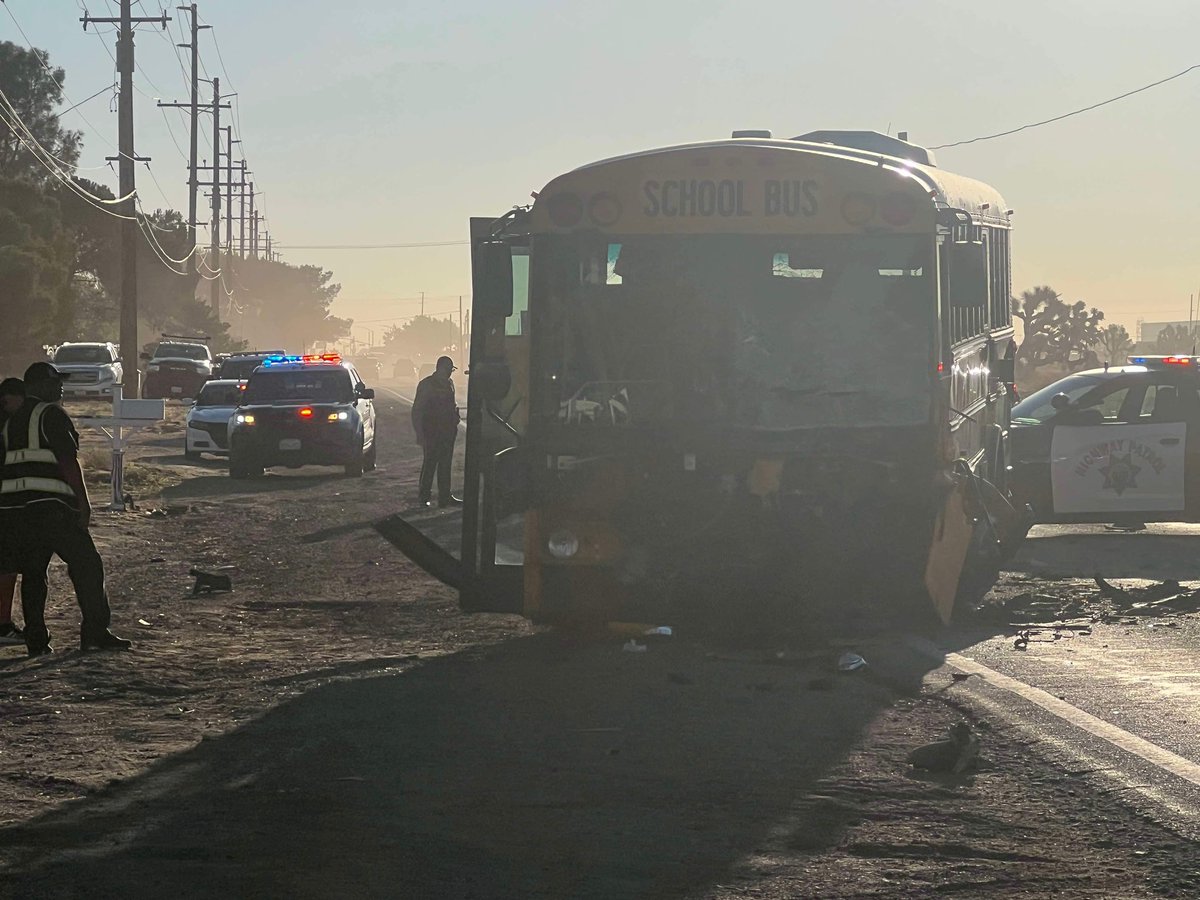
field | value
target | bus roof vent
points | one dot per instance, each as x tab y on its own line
872	142
753	133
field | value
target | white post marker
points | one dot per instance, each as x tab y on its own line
127	415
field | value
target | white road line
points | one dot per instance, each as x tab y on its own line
398	395
1118	737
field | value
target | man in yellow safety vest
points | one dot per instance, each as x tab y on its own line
46	512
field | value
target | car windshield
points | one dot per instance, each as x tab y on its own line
1038	407
82	355
219	395
330	385
736	331
183	351
241	367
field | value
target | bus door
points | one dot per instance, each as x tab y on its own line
493	523
1120	450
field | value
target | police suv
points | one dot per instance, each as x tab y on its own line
303	410
1120	443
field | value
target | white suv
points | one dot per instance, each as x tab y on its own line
88	369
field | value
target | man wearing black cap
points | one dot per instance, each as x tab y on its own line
435	420
43	495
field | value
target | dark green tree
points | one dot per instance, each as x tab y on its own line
1056	333
34	91
278	305
423	338
1176	339
1115	343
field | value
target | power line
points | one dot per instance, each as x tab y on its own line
1000	134
371	246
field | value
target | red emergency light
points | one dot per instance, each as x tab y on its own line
1178	360
306	412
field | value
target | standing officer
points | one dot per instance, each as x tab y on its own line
435	419
42	493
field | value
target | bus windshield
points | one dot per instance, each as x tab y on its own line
760	332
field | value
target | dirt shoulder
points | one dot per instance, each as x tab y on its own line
336	727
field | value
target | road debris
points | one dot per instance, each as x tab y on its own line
632	646
850	662
210	582
958	752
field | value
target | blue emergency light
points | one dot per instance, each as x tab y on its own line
1162	360
307	358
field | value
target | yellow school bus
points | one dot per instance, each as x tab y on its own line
745	377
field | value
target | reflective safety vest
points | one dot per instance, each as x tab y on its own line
31	473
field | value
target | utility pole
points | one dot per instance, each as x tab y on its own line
194	109
126	158
422	303
253	224
215	244
460	330
228	129
242	215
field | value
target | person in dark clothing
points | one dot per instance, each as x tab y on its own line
12	395
435	420
45	504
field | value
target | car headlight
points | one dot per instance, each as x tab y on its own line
244	419
152	367
107	374
339	416
563	544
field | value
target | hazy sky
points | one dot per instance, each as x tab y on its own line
371	122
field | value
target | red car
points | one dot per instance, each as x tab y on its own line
176	370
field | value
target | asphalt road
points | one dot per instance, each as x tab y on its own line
1121	703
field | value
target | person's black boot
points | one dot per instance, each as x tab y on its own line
102	640
39	649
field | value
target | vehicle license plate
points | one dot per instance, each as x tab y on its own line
289	444
176	390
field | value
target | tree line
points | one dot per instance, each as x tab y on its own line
60	255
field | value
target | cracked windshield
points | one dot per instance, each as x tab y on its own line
758	332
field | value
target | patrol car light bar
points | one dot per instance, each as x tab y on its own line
306	358
1162	360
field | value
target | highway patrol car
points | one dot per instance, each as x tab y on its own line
303	410
1116	444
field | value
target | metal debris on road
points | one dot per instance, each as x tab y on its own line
210	582
850	662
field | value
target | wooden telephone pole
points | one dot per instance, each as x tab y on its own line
126	158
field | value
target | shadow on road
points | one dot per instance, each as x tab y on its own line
220	484
532	770
1112	555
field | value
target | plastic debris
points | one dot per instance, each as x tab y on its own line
851	662
660	631
632	646
208	582
144	623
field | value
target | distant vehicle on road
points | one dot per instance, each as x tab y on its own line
239	365
1120	443
207	422
426	370
303	410
89	369
177	368
404	369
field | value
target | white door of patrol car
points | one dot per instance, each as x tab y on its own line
1121	450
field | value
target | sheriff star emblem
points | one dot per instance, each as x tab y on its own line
1120	474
